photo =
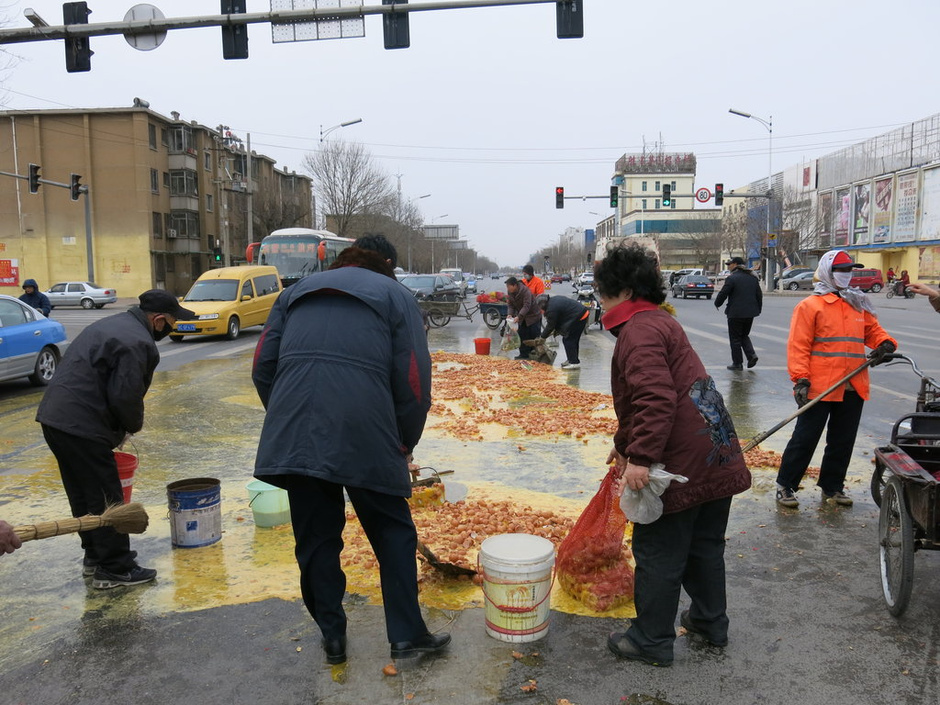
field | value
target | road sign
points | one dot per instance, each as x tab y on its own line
703	195
145	41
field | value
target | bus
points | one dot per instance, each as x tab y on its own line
297	252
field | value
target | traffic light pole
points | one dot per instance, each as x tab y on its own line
89	244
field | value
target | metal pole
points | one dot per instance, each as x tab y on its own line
771	260
89	247
251	217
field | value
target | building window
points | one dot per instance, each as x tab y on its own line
152	135
207	161
158	225
209	202
183	182
673	185
166	179
185	224
164	137
657	186
181	140
644	203
657	204
159	267
644	186
170	264
673	203
154	181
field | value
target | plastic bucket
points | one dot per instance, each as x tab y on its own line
517	585
127	466
195	512
482	345
269	504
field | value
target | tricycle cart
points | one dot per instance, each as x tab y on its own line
910	497
493	313
440	312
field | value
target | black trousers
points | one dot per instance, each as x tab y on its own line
843	418
528	332
681	550
739	332
318	515
90	477
572	340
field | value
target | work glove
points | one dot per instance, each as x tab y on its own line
877	356
801	392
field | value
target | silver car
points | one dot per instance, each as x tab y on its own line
803	280
84	294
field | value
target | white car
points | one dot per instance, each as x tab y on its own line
585	279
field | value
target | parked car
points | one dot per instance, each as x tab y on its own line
432	287
31	345
585	279
457	276
868	280
696	285
228	299
85	294
803	280
789	273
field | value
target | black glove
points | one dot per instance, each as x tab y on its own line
801	391
877	356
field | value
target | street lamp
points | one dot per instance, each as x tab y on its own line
437	217
769	124
327	131
427	195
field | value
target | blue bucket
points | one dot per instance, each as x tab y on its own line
195	512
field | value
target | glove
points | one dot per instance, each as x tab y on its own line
801	392
877	356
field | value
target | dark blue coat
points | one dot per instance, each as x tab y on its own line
561	313
344	372
742	290
37	299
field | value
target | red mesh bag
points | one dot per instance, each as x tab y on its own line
593	565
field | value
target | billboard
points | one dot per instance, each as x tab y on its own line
843	208
930	206
861	210
905	218
884	209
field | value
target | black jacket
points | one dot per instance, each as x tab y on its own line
344	372
98	389
561	313
37	299
742	290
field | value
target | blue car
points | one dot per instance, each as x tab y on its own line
31	345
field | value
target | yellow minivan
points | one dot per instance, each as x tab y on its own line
227	299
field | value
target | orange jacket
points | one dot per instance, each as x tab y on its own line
536	285
827	341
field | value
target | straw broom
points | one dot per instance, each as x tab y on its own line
124	518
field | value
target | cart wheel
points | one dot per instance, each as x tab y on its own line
438	319
491	318
878	482
896	535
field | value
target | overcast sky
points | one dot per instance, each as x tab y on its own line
488	111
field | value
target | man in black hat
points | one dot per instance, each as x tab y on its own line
742	291
96	399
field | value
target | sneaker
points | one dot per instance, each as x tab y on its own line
839	497
751	361
786	498
735	367
88	567
105	579
571	365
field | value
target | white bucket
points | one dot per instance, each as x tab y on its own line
517	585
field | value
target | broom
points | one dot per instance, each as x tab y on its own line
124	518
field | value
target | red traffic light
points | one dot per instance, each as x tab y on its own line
559	197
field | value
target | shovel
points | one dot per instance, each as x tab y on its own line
769	432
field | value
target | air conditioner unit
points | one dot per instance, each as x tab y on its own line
171	232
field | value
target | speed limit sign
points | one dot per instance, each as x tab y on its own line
703	195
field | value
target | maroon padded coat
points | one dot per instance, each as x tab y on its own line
668	408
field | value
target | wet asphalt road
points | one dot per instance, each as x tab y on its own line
808	620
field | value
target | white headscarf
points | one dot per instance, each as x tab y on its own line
825	284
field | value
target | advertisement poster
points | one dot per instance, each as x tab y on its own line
9	272
862	213
905	216
825	219
843	209
930	206
929	263
884	204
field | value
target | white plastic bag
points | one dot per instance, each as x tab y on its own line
645	506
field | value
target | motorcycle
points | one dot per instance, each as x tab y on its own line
898	289
585	295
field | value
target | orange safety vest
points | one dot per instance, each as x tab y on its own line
827	341
536	285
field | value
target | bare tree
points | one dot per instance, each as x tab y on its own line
801	226
271	213
348	183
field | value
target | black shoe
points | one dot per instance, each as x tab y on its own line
736	367
621	646
751	361
335	650
427	644
686	623
105	579
88	567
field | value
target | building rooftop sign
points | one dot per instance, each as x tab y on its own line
656	163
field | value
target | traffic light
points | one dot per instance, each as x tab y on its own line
234	37
569	20
559	197
217	254
667	196
614	194
719	194
77	50
395	27
34	178
75	186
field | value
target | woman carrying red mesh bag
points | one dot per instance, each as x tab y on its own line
669	412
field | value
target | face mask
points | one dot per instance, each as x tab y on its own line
161	334
842	280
